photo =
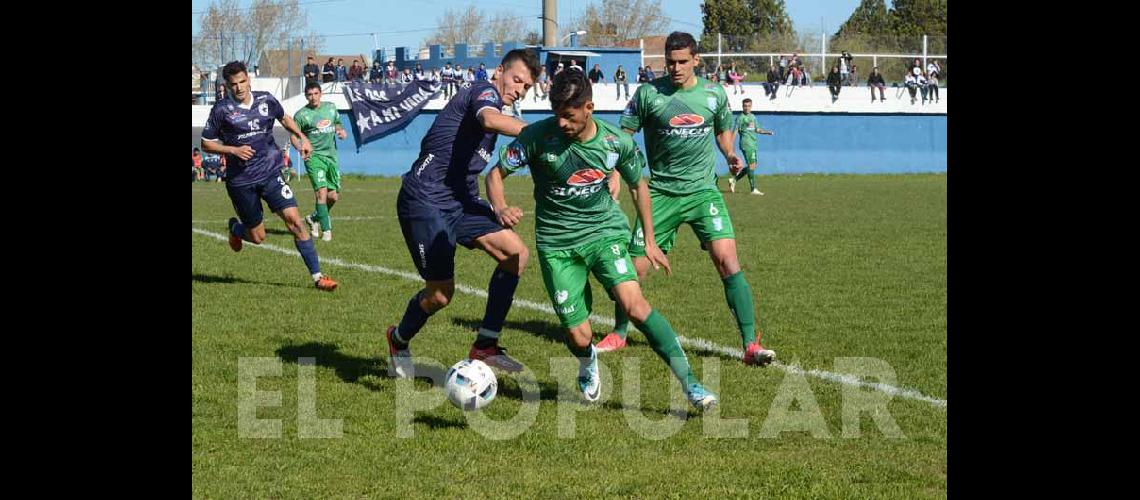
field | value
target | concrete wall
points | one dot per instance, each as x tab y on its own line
803	143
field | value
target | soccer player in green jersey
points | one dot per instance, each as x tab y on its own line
680	112
580	229
747	128
319	121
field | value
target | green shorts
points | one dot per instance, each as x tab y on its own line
566	273
749	156
705	212
323	172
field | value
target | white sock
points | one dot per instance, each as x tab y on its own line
317	277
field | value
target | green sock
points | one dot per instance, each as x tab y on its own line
664	342
739	296
752	178
621	321
323	215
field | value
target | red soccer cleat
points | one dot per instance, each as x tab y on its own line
496	357
757	355
612	342
326	283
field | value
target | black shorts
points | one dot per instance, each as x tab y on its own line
431	234
247	199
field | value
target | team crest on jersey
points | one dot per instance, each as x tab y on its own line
515	156
263	108
551	157
324	123
488	95
686	120
586	177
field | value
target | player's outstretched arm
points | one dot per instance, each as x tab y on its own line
305	147
644	205
508	216
493	120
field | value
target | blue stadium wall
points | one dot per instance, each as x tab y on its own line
828	143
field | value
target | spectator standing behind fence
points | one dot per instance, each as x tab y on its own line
203	87
854	76
356	72
481	75
783	67
341	71
311	71
376	74
736	77
911	83
834	83
541	84
932	74
328	74
391	76
596	75
844	71
923	87
196	164
621	82
875	81
916	67
469	78
406	77
773	83
574	65
457	77
447	76
793	75
418	73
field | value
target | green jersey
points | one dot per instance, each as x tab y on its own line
680	127
746	128
319	125
572	200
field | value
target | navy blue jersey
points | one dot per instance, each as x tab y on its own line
236	125
454	151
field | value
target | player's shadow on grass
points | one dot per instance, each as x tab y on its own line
439	423
549	330
355	369
209	278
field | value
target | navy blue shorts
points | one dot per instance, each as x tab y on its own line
247	199
431	233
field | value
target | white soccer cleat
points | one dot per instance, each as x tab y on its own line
327	236
757	192
589	379
314	227
731	182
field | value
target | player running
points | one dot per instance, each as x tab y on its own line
319	121
747	128
580	229
680	111
241	127
439	206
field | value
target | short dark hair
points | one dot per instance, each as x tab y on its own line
679	40
747	100
527	56
232	68
312	85
571	88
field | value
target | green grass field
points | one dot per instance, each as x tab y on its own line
842	266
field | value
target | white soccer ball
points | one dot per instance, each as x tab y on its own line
470	385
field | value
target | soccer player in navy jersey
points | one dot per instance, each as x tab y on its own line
439	206
240	127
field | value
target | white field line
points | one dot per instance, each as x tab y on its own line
698	343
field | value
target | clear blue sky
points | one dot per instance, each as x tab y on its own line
333	17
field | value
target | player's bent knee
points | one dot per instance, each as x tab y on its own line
637	310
